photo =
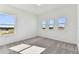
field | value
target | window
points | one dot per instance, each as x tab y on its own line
43	24
7	23
51	24
61	22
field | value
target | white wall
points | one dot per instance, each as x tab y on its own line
69	33
78	26
25	25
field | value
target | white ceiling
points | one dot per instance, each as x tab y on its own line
33	8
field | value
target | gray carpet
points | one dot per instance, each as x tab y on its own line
52	46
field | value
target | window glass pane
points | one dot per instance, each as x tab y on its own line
7	23
61	20
50	21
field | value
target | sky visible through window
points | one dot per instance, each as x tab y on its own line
62	20
6	20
